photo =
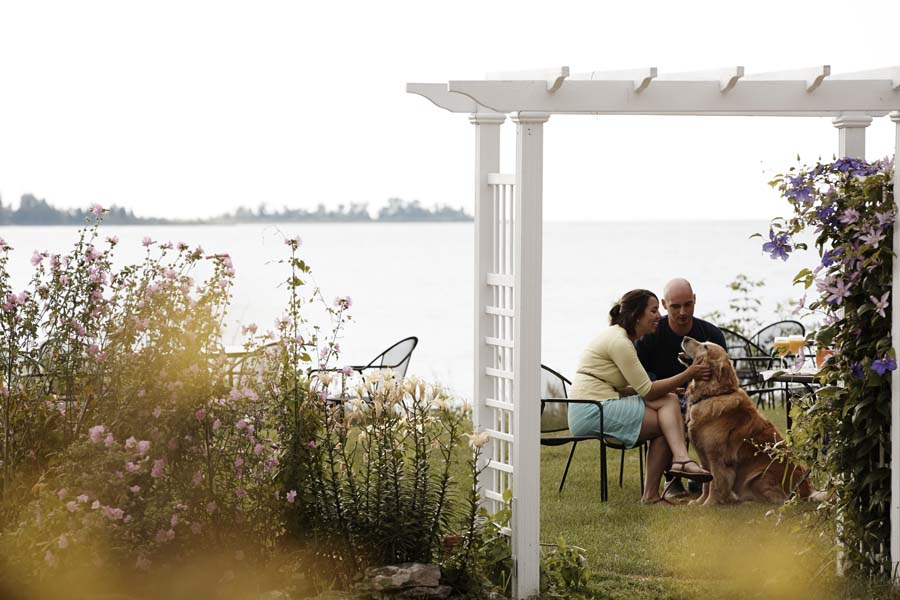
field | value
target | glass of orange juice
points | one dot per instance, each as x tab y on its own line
795	347
795	344
781	346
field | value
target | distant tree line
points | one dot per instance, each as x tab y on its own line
37	211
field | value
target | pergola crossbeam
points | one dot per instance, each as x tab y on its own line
892	73
554	77
640	77
727	77
813	76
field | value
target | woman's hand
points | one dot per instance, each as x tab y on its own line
699	370
627	391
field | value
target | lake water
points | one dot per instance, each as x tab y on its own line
417	278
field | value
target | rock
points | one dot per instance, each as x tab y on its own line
400	577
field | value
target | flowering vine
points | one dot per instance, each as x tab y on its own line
843	431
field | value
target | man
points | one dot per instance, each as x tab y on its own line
658	351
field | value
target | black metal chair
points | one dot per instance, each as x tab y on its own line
555	402
749	360
765	337
396	358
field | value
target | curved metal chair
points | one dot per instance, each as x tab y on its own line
396	357
765	337
749	360
555	420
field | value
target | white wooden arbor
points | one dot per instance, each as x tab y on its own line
508	233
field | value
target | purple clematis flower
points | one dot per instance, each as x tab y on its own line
856	371
883	365
854	167
831	256
836	289
882	304
802	193
885	219
873	237
778	245
849	216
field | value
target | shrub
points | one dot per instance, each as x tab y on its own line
133	447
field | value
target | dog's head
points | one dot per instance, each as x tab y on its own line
723	380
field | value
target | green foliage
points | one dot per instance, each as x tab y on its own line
844	430
744	305
377	485
564	571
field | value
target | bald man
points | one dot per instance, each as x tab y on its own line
658	351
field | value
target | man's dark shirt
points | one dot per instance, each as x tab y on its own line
658	351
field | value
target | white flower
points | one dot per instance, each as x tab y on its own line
478	439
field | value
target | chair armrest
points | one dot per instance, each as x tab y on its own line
572	401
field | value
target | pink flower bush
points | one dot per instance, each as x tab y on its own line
177	450
96	432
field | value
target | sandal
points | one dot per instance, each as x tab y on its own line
702	475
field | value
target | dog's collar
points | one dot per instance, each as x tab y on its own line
692	402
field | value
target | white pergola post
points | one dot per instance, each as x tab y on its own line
487	161
852	130
895	375
527	259
851	144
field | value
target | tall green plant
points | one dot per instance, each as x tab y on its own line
378	475
844	429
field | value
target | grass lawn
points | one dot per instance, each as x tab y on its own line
660	552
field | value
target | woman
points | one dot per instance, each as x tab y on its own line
634	408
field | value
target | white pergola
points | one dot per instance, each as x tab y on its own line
508	234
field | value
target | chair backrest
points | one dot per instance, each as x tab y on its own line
740	347
765	337
396	357
554	415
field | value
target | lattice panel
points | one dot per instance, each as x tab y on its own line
499	474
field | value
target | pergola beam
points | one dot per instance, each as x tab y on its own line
437	94
640	77
813	76
727	78
697	98
554	77
892	73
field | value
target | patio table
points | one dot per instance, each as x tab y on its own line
808	377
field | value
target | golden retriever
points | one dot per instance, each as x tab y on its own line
729	435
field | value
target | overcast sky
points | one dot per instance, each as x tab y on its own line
185	109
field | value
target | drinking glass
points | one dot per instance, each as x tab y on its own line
781	346
795	347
